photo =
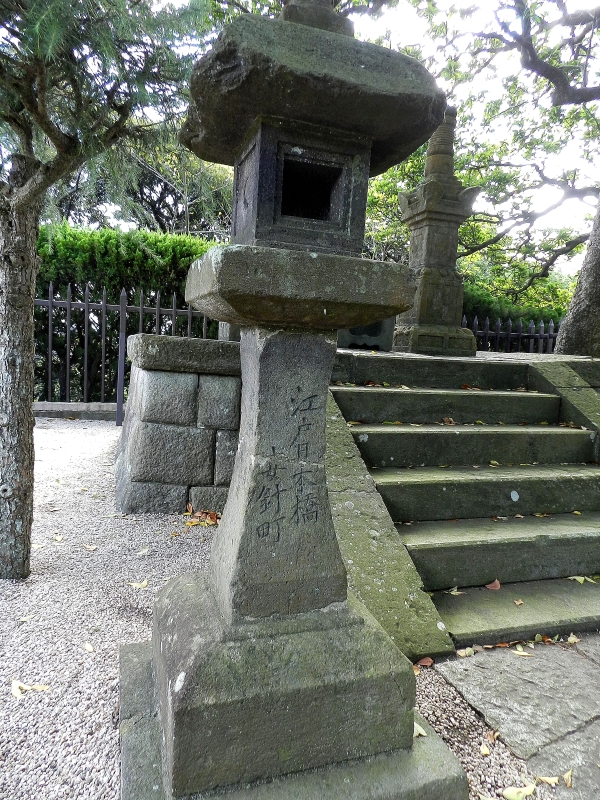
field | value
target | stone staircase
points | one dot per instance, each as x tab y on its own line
485	479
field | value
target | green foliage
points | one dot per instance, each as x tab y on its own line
135	260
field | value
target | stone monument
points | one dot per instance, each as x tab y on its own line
260	668
434	211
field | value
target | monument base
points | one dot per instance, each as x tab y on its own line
277	695
435	340
427	769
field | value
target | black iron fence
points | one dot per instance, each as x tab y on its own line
504	338
81	344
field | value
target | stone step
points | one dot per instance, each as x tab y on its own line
430	493
435	445
372	405
551	607
440	373
473	552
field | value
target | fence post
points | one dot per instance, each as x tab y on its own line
486	333
174	315
103	324
50	299
541	337
508	333
497	336
531	334
68	348
86	338
122	351
550	336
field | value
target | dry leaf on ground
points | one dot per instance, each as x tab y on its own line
494	585
89	647
418	731
141	585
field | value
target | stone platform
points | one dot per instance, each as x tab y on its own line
427	770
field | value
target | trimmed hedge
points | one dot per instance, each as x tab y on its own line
135	260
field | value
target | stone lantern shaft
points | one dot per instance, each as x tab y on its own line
434	213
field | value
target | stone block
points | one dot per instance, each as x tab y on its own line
273	696
149	498
426	770
180	354
209	498
225	450
294	288
165	397
218	404
258	64
170	454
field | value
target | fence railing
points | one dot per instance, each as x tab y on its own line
81	344
504	338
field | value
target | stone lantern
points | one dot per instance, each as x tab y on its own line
261	669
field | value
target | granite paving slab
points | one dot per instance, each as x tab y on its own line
546	707
531	701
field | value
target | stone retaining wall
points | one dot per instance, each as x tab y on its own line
181	429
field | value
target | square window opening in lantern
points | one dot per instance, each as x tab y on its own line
311	190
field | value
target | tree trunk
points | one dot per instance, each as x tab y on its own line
19	225
579	333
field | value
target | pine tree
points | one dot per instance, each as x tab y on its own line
76	78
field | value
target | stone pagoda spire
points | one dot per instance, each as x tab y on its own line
434	212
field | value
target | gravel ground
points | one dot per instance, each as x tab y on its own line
62	742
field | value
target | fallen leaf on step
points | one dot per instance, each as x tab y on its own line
494	464
568	779
519	516
143	552
448	421
578	513
522	653
18	689
478	422
91	547
418	731
581	579
87	646
518	602
427	661
465	386
491	736
484	749
494	585
573	639
453	591
541	515
549	781
518	793
28	618
141	585
416	670
37	546
57	537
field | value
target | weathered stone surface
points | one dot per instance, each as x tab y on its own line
271	68
429	493
433	445
577	751
228	332
426	770
378	336
276	552
434	212
272	696
219	399
527	718
554	606
225	450
474	552
271	286
180	354
422	406
103	411
165	397
170	453
380	571
301	187
209	498
441	373
549	376
149	498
